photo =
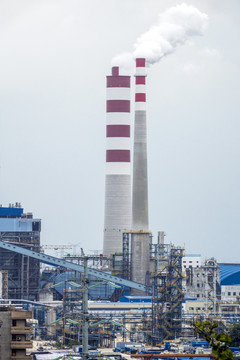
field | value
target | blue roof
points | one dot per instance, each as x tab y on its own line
229	274
135	299
10	211
191	298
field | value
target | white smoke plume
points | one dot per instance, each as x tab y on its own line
125	61
174	27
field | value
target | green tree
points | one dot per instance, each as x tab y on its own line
58	345
73	342
234	332
218	342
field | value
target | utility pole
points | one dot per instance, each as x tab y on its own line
64	314
85	311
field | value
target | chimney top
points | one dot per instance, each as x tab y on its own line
115	71
140	62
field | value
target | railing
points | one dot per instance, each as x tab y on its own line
21	330
21	357
21	344
21	314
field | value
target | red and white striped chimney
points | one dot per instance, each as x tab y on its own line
118	171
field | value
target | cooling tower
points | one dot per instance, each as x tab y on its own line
118	172
140	174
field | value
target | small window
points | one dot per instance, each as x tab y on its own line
234	293
184	261
198	295
229	294
190	261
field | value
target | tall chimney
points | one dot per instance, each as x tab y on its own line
141	237
140	174
118	170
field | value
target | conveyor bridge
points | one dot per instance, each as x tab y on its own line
51	260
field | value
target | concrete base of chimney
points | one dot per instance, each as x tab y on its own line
140	257
117	211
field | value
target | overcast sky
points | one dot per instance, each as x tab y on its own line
54	57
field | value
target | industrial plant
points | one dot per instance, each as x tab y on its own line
137	290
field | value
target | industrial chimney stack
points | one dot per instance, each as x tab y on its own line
118	170
140	237
140	173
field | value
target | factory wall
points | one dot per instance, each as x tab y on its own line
230	293
140	257
17	225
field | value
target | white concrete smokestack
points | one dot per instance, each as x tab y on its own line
141	237
118	169
140	173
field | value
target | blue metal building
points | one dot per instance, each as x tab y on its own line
20	274
229	273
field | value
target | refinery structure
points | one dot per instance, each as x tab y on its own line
137	290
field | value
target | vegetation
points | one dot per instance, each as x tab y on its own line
73	342
218	342
234	333
58	345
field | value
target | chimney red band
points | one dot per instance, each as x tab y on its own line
118	81
140	80
118	130
140	62
140	97
118	105
118	156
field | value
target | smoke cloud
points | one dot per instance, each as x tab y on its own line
174	27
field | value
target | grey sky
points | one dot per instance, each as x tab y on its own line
54	57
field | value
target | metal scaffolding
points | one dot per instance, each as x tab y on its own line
167	297
23	272
210	270
4	282
126	256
